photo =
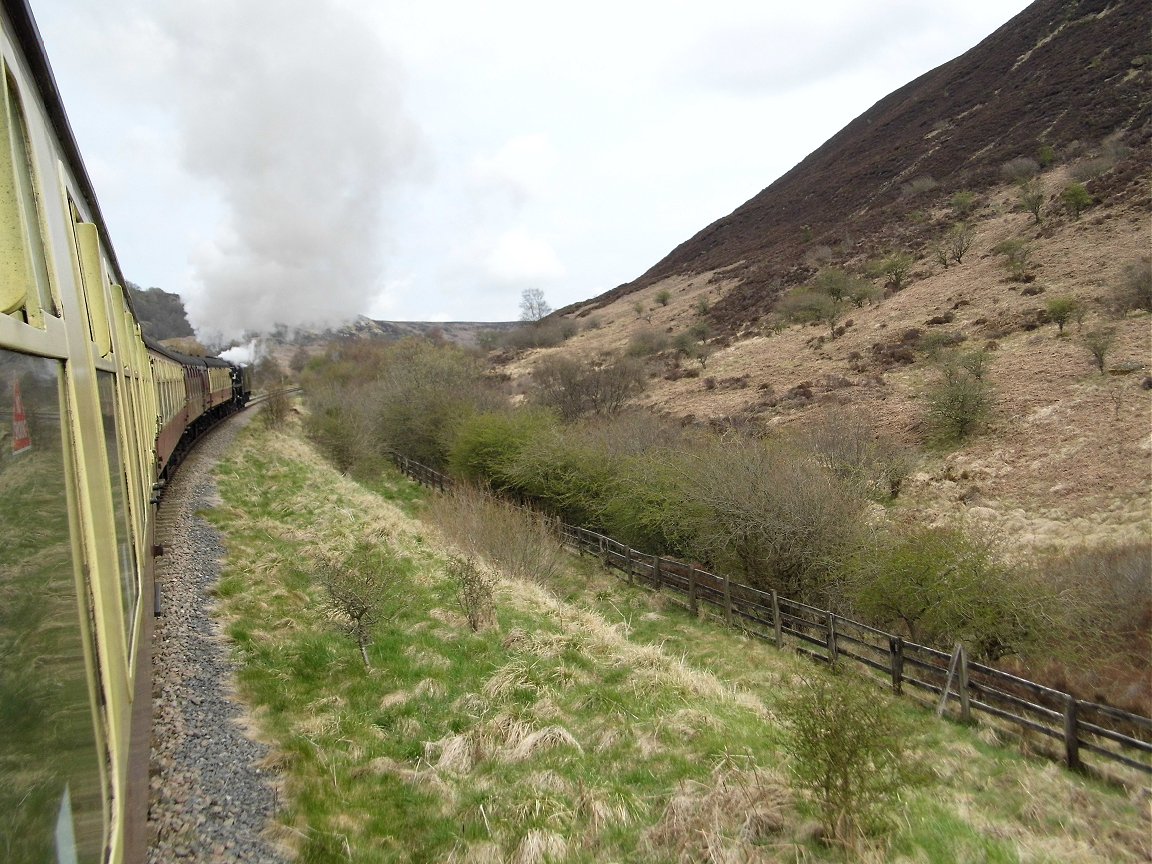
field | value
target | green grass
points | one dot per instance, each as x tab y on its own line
592	722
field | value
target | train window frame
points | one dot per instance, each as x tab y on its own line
86	671
31	294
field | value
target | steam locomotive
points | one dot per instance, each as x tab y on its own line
92	418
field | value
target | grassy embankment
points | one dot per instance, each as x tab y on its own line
588	723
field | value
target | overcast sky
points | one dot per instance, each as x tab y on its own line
294	160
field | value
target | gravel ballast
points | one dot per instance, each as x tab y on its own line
209	799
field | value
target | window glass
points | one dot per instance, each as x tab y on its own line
29	201
51	796
125	553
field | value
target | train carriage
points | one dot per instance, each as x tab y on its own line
89	417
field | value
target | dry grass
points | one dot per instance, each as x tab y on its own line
519	544
733	816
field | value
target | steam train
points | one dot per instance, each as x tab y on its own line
93	418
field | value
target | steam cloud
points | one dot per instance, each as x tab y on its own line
293	111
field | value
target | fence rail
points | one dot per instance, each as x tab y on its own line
929	673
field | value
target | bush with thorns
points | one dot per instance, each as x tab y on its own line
360	588
474	589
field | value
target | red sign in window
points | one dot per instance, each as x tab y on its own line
21	440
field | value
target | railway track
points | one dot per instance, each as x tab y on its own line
210	802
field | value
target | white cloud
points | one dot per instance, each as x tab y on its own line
523	166
521	257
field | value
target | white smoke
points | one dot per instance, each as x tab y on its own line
292	109
244	355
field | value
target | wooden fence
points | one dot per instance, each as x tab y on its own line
935	677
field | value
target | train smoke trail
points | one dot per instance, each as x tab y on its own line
294	113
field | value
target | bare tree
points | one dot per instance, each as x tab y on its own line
358	588
533	306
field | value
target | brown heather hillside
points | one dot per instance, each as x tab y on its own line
1066	458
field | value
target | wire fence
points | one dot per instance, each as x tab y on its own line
948	682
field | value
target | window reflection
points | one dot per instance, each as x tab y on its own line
125	552
51	800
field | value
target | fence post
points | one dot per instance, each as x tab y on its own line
656	573
628	562
833	652
728	600
965	707
896	647
777	629
1071	737
692	589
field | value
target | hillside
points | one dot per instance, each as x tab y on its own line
456	332
161	313
1064	458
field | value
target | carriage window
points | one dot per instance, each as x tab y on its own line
51	797
29	200
24	287
125	552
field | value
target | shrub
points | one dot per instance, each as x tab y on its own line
1060	310
338	421
1019	170
848	752
359	588
774	514
663	296
1134	288
276	408
848	444
546	333
805	306
918	186
1116	605
1099	343
646	341
651	505
365	400
836	282
861	292
683	344
963	203
422	396
1076	199
895	267
565	475
945	585
487	444
1017	258
956	244
474	590
957	405
574	389
1032	198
